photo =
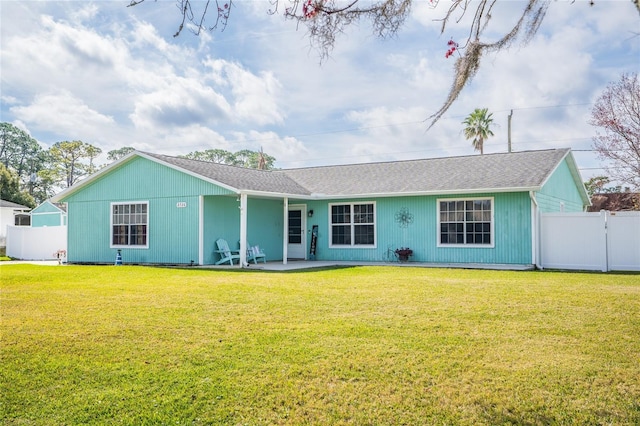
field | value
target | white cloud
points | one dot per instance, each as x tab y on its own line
65	114
85	13
253	96
9	100
179	102
286	150
182	140
130	72
115	75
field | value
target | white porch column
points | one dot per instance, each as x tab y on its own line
243	230
285	231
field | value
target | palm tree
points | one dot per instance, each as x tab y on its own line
478	123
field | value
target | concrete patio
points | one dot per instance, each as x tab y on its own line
298	265
294	265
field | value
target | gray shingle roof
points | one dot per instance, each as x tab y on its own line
11	204
237	177
517	171
526	170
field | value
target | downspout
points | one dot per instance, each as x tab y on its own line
535	231
200	230
243	230
285	231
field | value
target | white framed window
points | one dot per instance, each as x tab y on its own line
130	225
465	222
352	224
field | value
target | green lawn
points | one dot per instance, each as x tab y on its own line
368	345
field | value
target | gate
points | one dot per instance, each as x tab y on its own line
604	241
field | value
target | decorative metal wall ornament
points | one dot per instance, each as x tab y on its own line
404	218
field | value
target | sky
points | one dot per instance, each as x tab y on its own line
114	76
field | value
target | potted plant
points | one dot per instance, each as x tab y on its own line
404	253
61	255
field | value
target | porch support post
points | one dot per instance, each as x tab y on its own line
285	231
243	230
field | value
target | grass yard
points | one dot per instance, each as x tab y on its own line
367	345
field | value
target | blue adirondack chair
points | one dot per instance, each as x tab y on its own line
254	253
226	254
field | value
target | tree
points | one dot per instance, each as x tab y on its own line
24	156
243	158
116	154
616	114
478	125
326	19
596	185
10	188
72	160
44	186
219	156
20	152
254	159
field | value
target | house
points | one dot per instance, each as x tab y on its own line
481	209
45	239
12	214
49	214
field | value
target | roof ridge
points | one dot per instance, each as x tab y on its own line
426	159
203	161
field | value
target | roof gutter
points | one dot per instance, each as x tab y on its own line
412	193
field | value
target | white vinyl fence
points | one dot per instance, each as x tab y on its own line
42	243
604	241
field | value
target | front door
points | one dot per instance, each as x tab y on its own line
297	232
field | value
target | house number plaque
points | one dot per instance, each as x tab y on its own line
181	204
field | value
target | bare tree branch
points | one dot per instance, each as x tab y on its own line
468	64
616	114
326	19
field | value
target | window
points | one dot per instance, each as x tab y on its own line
466	222
129	225
22	219
353	224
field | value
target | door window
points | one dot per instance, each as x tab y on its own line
295	226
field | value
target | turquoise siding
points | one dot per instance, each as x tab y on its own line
47	219
172	232
141	179
221	220
46	214
512	233
46	207
560	192
264	225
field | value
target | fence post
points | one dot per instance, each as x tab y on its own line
605	240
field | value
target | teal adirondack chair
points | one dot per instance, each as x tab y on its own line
226	254
254	253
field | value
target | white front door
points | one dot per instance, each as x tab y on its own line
297	232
